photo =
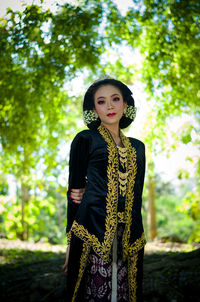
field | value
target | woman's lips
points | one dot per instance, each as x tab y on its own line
111	114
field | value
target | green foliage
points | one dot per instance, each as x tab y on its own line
39	51
172	217
169	33
191	207
18	256
44	217
168	36
3	185
170	221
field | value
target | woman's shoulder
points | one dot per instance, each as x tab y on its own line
136	142
84	135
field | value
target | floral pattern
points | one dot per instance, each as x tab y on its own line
99	276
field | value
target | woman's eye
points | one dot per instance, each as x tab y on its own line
100	102
116	99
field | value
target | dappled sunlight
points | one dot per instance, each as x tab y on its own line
50	52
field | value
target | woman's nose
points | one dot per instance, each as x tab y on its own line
110	105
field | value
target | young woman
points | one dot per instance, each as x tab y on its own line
104	259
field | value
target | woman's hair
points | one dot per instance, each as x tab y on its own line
88	102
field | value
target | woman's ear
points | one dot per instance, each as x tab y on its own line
95	113
125	105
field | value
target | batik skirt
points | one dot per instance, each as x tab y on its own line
108	282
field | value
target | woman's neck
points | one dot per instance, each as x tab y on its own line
114	131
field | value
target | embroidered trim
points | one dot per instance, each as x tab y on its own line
137	245
120	217
132	274
103	249
131	170
83	262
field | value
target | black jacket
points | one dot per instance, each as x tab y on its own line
94	164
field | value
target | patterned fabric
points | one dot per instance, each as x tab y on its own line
91	228
95	220
99	276
98	284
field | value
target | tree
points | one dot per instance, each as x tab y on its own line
38	52
169	42
167	34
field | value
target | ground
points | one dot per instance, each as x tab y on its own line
31	272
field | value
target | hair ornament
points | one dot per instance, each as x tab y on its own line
89	116
130	112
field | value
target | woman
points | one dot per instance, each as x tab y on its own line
104	225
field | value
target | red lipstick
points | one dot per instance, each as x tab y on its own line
111	114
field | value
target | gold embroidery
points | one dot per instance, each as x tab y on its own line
120	217
83	262
137	245
103	249
132	274
131	170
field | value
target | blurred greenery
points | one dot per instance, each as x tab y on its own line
17	256
41	52
45	216
172	216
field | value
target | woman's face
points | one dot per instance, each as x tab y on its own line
109	104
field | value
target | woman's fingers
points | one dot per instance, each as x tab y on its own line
78	190
77	194
65	266
76	201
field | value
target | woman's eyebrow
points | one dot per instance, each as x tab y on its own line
115	94
103	97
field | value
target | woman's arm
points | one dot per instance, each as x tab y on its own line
65	266
76	195
78	163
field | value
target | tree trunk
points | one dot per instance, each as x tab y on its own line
151	203
24	202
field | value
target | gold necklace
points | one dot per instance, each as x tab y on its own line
122	175
122	156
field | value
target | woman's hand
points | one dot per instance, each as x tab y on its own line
65	266
77	195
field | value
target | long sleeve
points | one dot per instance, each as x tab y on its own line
141	163
78	163
143	166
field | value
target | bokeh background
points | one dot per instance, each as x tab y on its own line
50	52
